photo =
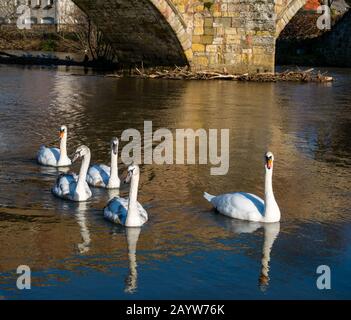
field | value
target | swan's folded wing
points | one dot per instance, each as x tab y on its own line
240	205
98	175
142	212
87	190
65	184
48	156
116	210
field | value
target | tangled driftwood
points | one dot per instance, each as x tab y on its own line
185	73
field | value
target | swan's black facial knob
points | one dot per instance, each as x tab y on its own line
269	160
76	157
114	145
62	132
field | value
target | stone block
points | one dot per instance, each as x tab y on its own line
196	39
208	22
233	39
206	39
200	60
189	54
198	31
217	40
211	48
208	31
197	47
258	50
230	30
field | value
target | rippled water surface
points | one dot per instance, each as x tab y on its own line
186	250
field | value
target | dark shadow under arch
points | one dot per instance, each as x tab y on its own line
137	30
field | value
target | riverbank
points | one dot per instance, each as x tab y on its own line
39	38
52	60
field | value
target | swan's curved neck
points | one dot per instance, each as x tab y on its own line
132	216
268	187
63	147
83	173
114	181
271	209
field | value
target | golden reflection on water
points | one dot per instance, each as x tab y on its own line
45	232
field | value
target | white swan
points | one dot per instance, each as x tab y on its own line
72	187
53	156
246	206
103	176
127	212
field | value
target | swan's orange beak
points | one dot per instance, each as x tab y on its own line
269	163
61	134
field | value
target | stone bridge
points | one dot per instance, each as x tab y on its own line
239	35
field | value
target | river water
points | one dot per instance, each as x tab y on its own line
186	250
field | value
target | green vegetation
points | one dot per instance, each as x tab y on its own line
49	45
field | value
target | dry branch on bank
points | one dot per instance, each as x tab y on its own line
186	74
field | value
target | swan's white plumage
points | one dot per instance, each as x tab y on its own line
247	206
117	210
66	185
48	156
72	187
98	175
127	212
239	205
53	156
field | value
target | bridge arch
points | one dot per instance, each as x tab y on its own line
239	36
286	12
152	31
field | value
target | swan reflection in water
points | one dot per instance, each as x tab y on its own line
81	209
50	172
271	232
132	235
